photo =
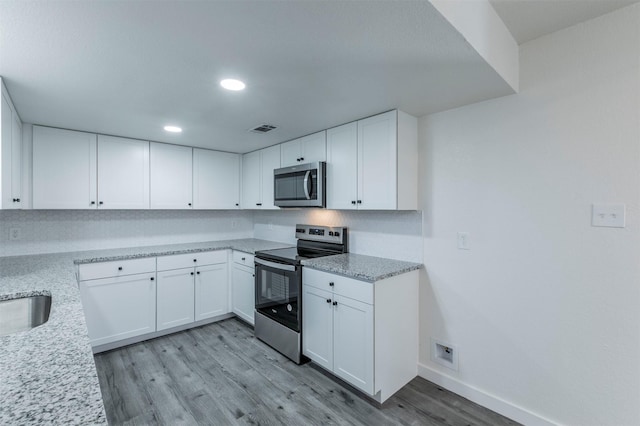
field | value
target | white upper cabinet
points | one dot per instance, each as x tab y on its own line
64	169
342	171
270	160
307	149
251	189
10	154
216	179
377	162
171	176
372	163
123	173
257	178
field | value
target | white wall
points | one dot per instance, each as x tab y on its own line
395	235
544	309
52	231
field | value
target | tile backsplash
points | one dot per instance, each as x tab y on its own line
52	231
395	235
391	234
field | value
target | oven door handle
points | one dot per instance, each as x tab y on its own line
275	265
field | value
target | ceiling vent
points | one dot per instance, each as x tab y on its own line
263	128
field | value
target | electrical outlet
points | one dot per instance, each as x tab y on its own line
444	354
463	241
608	215
15	234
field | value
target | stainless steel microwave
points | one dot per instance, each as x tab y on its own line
302	185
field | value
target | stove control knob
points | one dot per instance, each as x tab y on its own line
336	234
330	233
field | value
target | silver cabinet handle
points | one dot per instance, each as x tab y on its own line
275	265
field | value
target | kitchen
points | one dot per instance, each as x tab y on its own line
518	310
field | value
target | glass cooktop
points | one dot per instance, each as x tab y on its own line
290	255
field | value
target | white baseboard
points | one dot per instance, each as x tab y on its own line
483	398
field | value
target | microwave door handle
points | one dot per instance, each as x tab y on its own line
307	178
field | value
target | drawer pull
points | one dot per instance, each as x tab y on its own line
335	303
151	278
331	284
198	272
119	268
191	273
244	258
328	300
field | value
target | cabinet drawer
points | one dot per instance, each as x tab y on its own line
117	268
186	260
243	258
343	286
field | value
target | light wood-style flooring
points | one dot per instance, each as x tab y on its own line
220	374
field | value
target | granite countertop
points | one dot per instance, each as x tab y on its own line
47	374
367	268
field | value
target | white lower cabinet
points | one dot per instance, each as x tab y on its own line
353	342
243	286
118	308
192	287
132	300
317	323
212	291
176	295
363	332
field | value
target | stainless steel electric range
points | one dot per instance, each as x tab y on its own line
278	317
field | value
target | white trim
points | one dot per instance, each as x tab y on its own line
483	398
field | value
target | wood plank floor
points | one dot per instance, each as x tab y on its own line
220	374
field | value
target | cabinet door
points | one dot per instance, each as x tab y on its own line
342	167
64	169
243	293
377	162
119	308
270	160
317	326
175	298
123	173
216	180
290	153
16	162
171	176
251	189
313	147
7	147
212	291
353	342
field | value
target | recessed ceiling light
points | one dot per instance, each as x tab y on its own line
173	129
232	84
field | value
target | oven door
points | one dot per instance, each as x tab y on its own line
278	292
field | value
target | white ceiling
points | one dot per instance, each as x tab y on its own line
128	68
530	19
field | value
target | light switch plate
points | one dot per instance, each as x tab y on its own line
463	241
608	215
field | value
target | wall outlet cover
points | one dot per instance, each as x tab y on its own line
444	354
608	215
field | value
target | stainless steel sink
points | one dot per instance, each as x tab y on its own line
23	313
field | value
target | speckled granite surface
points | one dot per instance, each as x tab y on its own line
47	374
248	245
362	267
